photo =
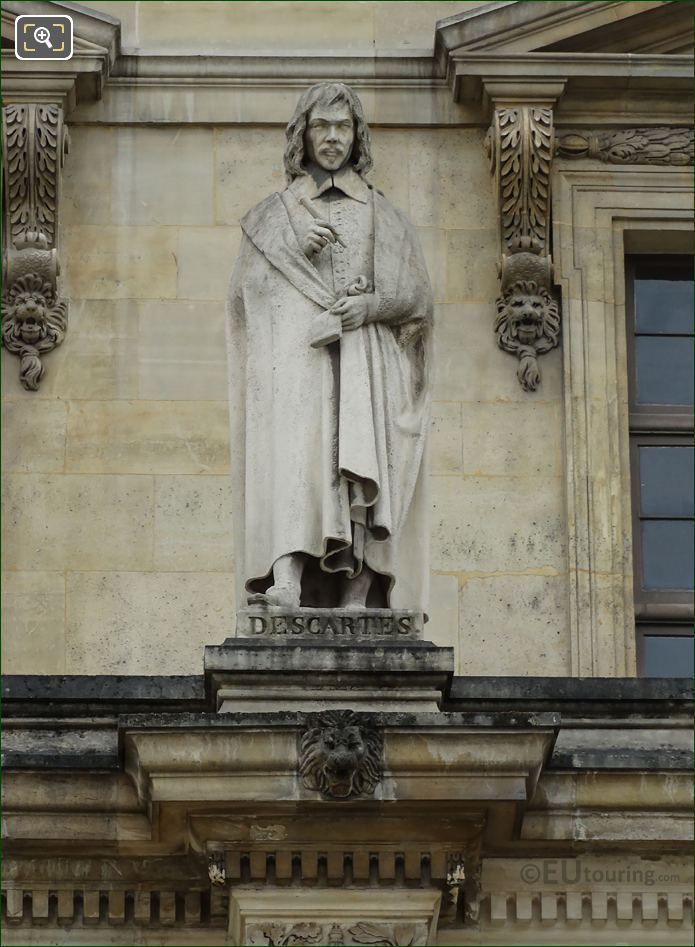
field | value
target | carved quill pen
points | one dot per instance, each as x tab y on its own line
307	205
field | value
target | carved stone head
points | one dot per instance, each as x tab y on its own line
326	96
28	309
528	317
341	755
33	321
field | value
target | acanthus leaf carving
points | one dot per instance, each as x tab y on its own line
34	317
520	142
520	146
656	146
35	142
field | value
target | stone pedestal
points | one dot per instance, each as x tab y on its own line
328	659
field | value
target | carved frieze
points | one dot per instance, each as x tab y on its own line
341	754
660	145
34	317
381	917
335	934
520	147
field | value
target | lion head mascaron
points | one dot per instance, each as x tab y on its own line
527	324
341	754
33	322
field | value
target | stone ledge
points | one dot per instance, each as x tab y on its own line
292	720
50	745
79	696
98	695
622	758
210	757
591	697
246	675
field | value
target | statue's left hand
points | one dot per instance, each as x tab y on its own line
354	311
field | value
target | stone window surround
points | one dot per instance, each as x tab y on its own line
599	216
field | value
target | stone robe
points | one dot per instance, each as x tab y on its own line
328	443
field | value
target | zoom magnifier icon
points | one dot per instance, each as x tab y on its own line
42	35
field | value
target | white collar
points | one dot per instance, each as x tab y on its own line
317	181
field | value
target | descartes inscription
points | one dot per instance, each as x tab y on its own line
329	319
340	624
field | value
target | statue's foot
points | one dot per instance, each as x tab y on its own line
355	602
281	596
355	591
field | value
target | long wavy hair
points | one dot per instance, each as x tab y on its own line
325	94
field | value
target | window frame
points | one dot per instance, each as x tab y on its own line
658	612
650	418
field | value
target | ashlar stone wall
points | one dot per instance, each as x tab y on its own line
117	549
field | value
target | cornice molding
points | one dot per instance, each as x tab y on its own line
81	78
512	27
475	52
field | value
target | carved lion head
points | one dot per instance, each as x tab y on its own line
33	321
527	324
341	755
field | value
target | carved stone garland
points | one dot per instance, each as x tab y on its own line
520	148
659	145
34	317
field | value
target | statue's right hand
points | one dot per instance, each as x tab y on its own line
319	233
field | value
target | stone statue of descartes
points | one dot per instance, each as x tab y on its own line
329	334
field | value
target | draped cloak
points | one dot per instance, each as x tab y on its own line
328	443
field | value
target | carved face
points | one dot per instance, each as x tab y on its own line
527	324
30	317
342	750
341	755
526	316
330	133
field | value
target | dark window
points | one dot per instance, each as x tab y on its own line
660	351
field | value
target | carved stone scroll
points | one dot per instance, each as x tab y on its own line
520	147
34	317
341	754
664	146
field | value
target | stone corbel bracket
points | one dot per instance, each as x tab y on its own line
658	145
520	146
34	316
